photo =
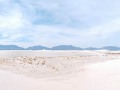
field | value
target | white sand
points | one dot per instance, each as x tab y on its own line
59	70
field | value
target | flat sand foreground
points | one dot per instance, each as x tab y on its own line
59	70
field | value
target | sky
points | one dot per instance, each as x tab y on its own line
82	23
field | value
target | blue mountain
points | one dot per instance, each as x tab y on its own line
60	47
112	48
91	48
65	47
10	47
38	48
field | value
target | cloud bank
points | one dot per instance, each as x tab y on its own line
81	23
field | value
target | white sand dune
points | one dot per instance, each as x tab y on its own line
61	71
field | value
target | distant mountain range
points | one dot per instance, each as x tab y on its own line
38	48
10	47
65	47
60	47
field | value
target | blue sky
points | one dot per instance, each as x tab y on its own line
82	23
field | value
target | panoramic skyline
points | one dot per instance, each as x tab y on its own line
82	23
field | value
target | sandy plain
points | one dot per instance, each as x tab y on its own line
60	70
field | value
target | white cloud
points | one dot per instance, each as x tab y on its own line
12	21
96	20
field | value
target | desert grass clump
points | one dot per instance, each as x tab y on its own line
29	62
43	63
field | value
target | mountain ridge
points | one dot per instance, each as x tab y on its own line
59	47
